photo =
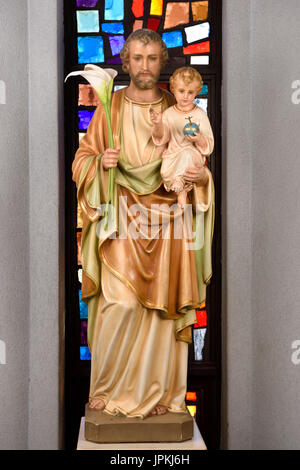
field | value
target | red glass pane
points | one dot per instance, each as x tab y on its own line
198	48
163	85
201	319
153	23
191	396
138	8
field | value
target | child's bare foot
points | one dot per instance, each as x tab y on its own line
182	198
97	404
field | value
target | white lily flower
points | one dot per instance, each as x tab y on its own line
100	79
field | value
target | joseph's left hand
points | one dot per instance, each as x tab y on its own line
196	175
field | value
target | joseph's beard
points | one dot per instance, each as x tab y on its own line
144	83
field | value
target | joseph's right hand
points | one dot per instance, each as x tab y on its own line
110	158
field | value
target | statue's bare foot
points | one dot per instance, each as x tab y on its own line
159	410
97	404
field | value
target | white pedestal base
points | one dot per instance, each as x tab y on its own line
196	443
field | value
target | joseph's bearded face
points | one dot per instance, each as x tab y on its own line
144	63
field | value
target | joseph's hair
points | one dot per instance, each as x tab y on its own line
145	36
187	74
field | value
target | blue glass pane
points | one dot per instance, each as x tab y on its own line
85	354
84	118
204	90
83	307
114	10
87	21
172	39
90	49
87	3
114	28
116	44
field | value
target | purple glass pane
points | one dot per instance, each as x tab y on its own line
114	60
83	333
84	118
116	44
87	3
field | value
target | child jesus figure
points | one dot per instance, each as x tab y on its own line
186	130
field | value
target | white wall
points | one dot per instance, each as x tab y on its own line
31	236
261	244
276	224
45	48
14	233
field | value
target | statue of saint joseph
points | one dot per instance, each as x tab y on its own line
141	291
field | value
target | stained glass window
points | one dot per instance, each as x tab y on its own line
95	33
185	27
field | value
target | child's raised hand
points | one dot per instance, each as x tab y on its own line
155	117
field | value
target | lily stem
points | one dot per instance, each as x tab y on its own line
111	171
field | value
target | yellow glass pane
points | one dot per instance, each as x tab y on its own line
192	409
200	10
156	7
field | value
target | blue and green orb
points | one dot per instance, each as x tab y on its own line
191	128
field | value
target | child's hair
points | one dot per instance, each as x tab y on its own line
187	74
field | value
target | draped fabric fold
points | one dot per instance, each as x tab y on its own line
163	274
